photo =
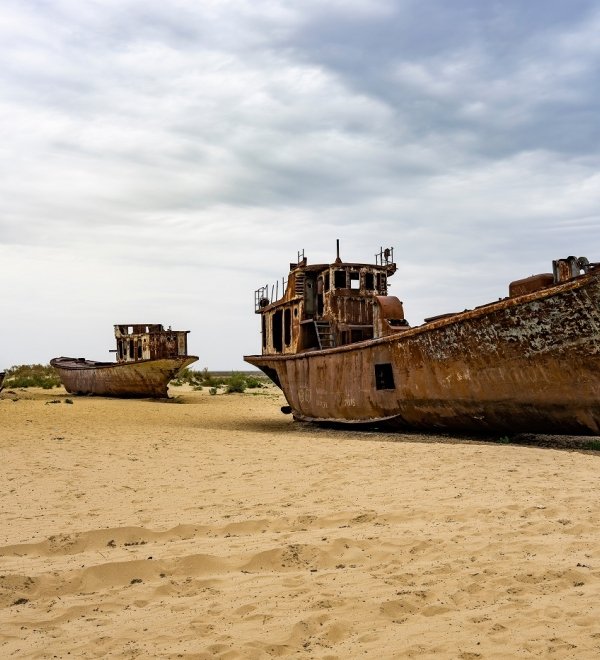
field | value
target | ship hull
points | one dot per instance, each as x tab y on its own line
524	364
144	378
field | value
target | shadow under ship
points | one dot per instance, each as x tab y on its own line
148	357
342	352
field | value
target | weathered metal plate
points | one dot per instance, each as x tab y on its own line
524	364
148	357
145	378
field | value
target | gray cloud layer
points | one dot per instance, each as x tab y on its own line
162	160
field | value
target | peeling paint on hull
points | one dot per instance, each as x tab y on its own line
144	378
525	364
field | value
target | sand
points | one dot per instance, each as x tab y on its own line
216	527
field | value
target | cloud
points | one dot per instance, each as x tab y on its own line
161	161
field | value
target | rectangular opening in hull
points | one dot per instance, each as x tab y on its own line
384	377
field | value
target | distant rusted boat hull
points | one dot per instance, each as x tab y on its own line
525	364
144	378
2	374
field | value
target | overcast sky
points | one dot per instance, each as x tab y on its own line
160	160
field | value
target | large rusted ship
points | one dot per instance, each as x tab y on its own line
342	351
148	357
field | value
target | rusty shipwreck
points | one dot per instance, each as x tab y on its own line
341	350
2	374
147	358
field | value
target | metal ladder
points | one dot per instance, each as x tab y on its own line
324	335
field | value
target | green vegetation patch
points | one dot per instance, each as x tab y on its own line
232	382
32	375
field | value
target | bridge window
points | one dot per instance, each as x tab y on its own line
276	331
381	283
354	279
359	334
339	279
287	326
369	281
326	281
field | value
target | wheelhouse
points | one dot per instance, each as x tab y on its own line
149	342
328	305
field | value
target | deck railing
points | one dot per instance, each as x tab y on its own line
267	294
385	257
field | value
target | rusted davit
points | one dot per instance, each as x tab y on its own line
148	357
341	350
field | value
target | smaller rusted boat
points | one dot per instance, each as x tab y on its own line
339	347
2	374
148	357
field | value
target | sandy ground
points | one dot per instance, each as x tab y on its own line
215	526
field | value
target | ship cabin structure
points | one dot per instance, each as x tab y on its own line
329	305
136	342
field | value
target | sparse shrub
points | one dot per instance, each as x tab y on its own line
253	382
189	376
32	375
236	383
197	379
186	376
209	380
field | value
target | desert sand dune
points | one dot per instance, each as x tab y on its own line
216	527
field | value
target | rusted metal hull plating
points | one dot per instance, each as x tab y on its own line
525	364
144	378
